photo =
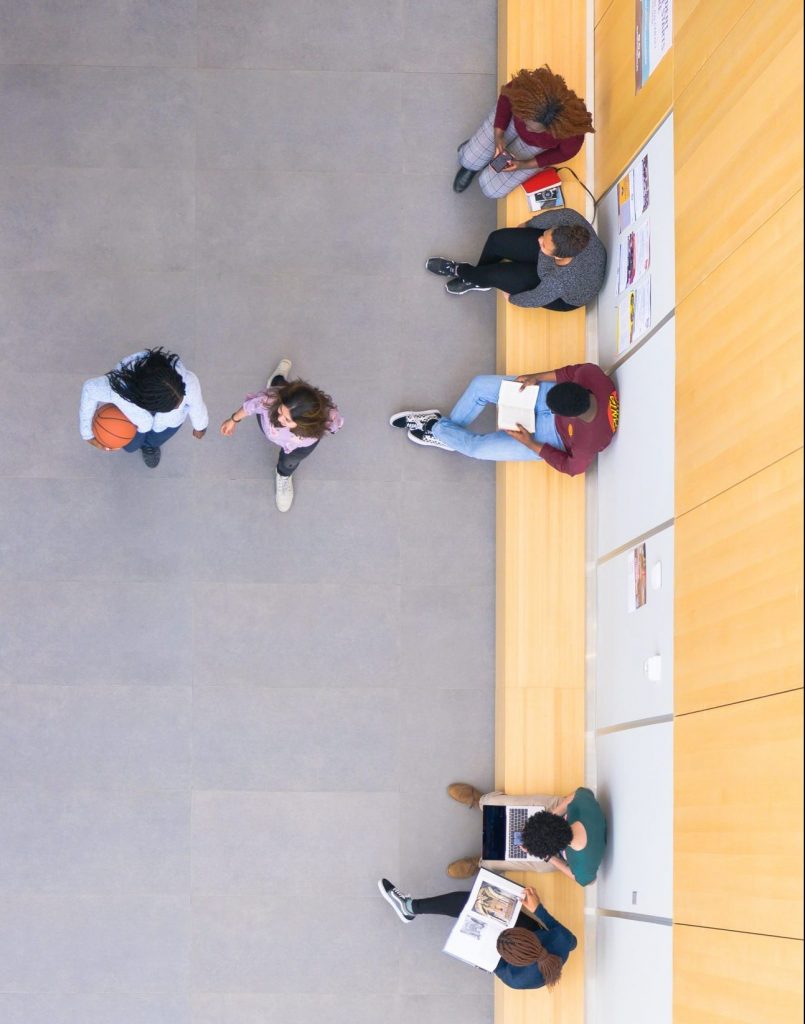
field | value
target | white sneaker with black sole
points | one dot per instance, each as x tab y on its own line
282	369
283	492
412	419
427	439
396	900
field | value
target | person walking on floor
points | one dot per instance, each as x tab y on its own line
554	261
293	415
156	392
576	415
532	953
538	121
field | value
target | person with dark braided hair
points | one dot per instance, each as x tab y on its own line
532	953
538	121
156	392
293	415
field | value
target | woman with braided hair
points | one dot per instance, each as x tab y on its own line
538	121
156	392
532	953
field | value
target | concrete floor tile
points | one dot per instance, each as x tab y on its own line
59	632
302	739
326	635
450	36
97	117
94	841
123	1007
251	842
78	943
287	34
96	32
100	737
425	970
55	218
274	119
434	831
300	1008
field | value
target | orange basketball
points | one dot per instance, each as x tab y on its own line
111	427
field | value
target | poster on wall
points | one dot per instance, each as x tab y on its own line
634	254
653	37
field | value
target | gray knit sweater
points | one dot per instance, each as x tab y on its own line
577	283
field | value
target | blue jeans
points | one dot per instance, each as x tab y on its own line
150	439
497	447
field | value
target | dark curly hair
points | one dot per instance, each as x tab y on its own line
546	834
570	240
309	407
568	399
151	381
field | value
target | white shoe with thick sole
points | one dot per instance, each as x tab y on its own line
282	369
283	492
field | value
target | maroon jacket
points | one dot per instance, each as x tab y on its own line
556	151
582	440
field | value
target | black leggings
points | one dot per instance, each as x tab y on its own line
450	904
520	248
288	462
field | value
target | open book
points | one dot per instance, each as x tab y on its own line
516	406
493	906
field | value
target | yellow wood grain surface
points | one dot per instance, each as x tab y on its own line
739	348
738	816
735	978
699	27
739	565
539	719
726	188
624	119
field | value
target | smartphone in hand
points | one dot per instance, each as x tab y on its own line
501	160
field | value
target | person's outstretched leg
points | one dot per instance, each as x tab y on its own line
481	391
449	904
521	247
478	150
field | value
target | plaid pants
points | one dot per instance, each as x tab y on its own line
476	153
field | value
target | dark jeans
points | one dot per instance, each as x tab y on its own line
519	247
150	439
288	462
450	904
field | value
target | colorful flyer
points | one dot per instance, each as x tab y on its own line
634	314
636	577
654	32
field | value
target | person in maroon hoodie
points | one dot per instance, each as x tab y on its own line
538	121
576	412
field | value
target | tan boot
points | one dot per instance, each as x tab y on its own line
464	793
464	868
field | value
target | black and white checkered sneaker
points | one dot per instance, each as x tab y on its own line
427	439
396	900
412	419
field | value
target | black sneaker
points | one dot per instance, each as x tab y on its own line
151	456
424	437
441	266
463	179
396	900
458	287
411	418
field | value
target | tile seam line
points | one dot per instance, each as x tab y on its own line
252	67
734	703
680	515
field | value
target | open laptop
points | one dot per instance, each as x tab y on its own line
502	832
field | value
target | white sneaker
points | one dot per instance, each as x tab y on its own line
283	492
282	369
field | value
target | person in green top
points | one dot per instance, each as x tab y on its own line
576	827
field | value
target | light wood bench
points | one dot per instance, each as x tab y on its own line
539	720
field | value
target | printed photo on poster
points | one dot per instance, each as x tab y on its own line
634	314
634	255
653	37
633	194
636	577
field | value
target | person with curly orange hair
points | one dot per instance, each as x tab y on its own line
538	121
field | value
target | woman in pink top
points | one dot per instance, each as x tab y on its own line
538	121
293	415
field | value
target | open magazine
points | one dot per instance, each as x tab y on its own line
493	906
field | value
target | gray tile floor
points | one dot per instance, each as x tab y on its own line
219	726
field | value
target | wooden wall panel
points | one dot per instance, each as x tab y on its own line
699	27
735	978
754	78
738	817
738	608
528	760
624	120
739	362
